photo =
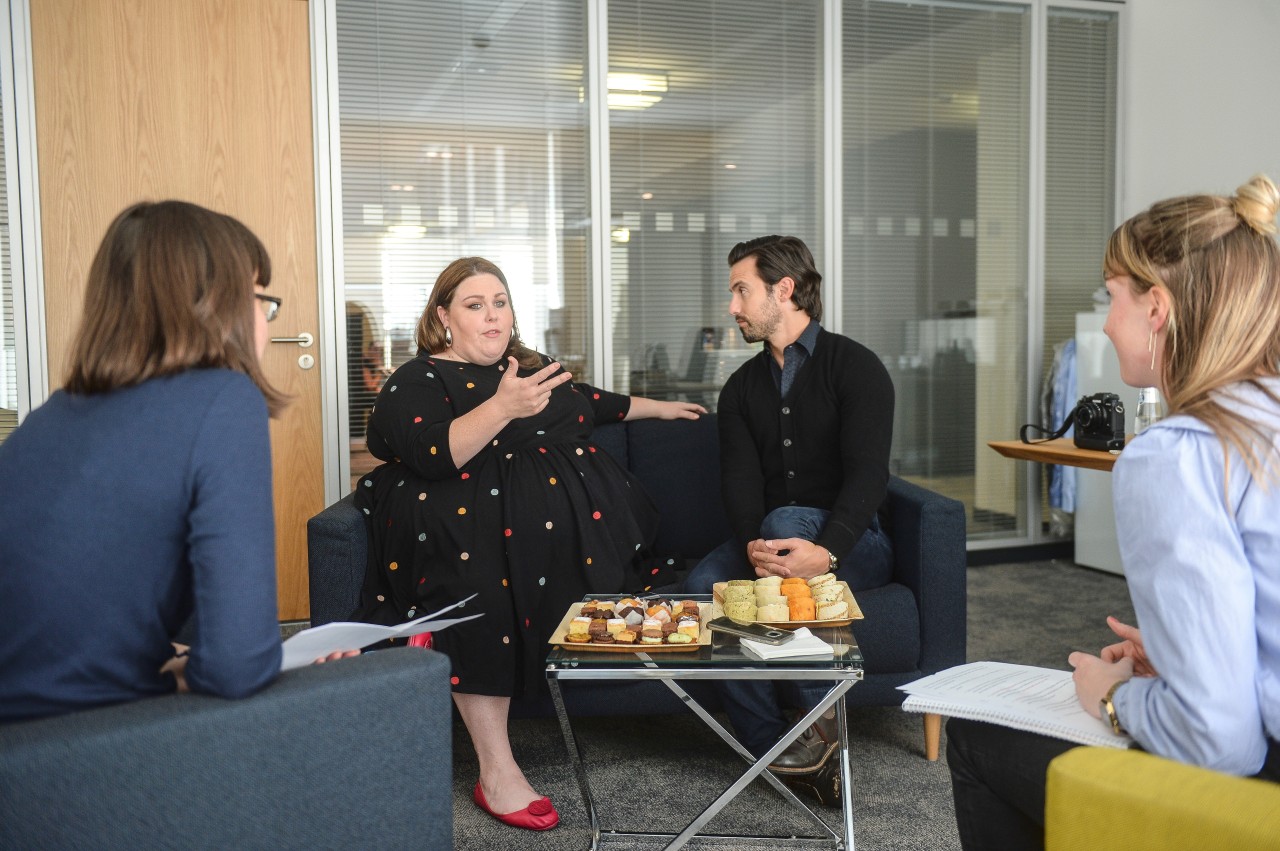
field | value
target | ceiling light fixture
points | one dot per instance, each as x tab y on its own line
634	89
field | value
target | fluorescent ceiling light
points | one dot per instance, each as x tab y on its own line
634	89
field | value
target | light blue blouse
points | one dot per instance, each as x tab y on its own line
1200	542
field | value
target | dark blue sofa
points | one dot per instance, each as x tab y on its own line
913	626
303	764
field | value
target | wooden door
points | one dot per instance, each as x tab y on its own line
206	101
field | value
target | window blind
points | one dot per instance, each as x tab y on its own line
729	149
463	132
935	130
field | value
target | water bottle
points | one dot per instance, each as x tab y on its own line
1149	409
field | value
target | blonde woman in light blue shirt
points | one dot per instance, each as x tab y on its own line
1195	311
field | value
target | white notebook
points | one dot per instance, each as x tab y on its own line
1023	697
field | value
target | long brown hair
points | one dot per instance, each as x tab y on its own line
170	289
430	329
1218	260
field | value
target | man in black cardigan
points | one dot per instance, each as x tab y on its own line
805	430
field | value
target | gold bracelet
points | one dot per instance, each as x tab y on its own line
1109	708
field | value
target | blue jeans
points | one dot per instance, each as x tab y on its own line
755	707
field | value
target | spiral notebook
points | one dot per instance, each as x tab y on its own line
1040	700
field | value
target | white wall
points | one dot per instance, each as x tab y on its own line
1201	111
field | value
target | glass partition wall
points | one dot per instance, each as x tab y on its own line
961	154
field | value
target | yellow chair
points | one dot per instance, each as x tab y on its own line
1101	798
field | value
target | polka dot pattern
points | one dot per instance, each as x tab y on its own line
459	540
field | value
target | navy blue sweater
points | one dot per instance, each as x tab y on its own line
826	445
121	515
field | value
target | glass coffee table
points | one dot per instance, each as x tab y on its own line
723	659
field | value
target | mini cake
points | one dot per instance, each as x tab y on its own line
793	591
680	638
577	638
801	609
578	626
689	626
831	611
691	607
651	636
597	627
604	638
615	625
668	627
829	593
776	613
625	637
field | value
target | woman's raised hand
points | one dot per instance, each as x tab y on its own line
524	397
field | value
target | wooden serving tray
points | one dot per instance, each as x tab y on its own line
855	613
704	637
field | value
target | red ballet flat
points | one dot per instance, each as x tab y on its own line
539	815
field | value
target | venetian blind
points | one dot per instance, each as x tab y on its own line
8	339
715	136
463	132
1080	177
935	127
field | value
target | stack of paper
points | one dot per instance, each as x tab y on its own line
319	641
805	645
1041	700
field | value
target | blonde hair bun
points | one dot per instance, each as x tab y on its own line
1256	203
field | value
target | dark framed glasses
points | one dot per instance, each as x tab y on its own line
270	305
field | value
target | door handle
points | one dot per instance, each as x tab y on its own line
304	339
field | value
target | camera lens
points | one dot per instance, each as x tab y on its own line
1087	414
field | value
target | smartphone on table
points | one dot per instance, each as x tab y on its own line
754	631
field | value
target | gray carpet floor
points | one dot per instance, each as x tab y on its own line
657	773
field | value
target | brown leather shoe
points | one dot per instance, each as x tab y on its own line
823	785
812	750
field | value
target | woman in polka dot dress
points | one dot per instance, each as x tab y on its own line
493	487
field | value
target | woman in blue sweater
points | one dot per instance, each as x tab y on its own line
139	496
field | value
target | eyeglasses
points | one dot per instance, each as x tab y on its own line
270	305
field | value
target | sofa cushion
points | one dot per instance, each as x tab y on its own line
688	452
889	634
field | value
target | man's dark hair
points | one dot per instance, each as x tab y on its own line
779	257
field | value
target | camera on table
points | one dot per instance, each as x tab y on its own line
1099	422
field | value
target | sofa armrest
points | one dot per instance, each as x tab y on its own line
928	532
337	553
305	763
1104	798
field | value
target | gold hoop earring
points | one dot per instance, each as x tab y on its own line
1151	347
448	338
